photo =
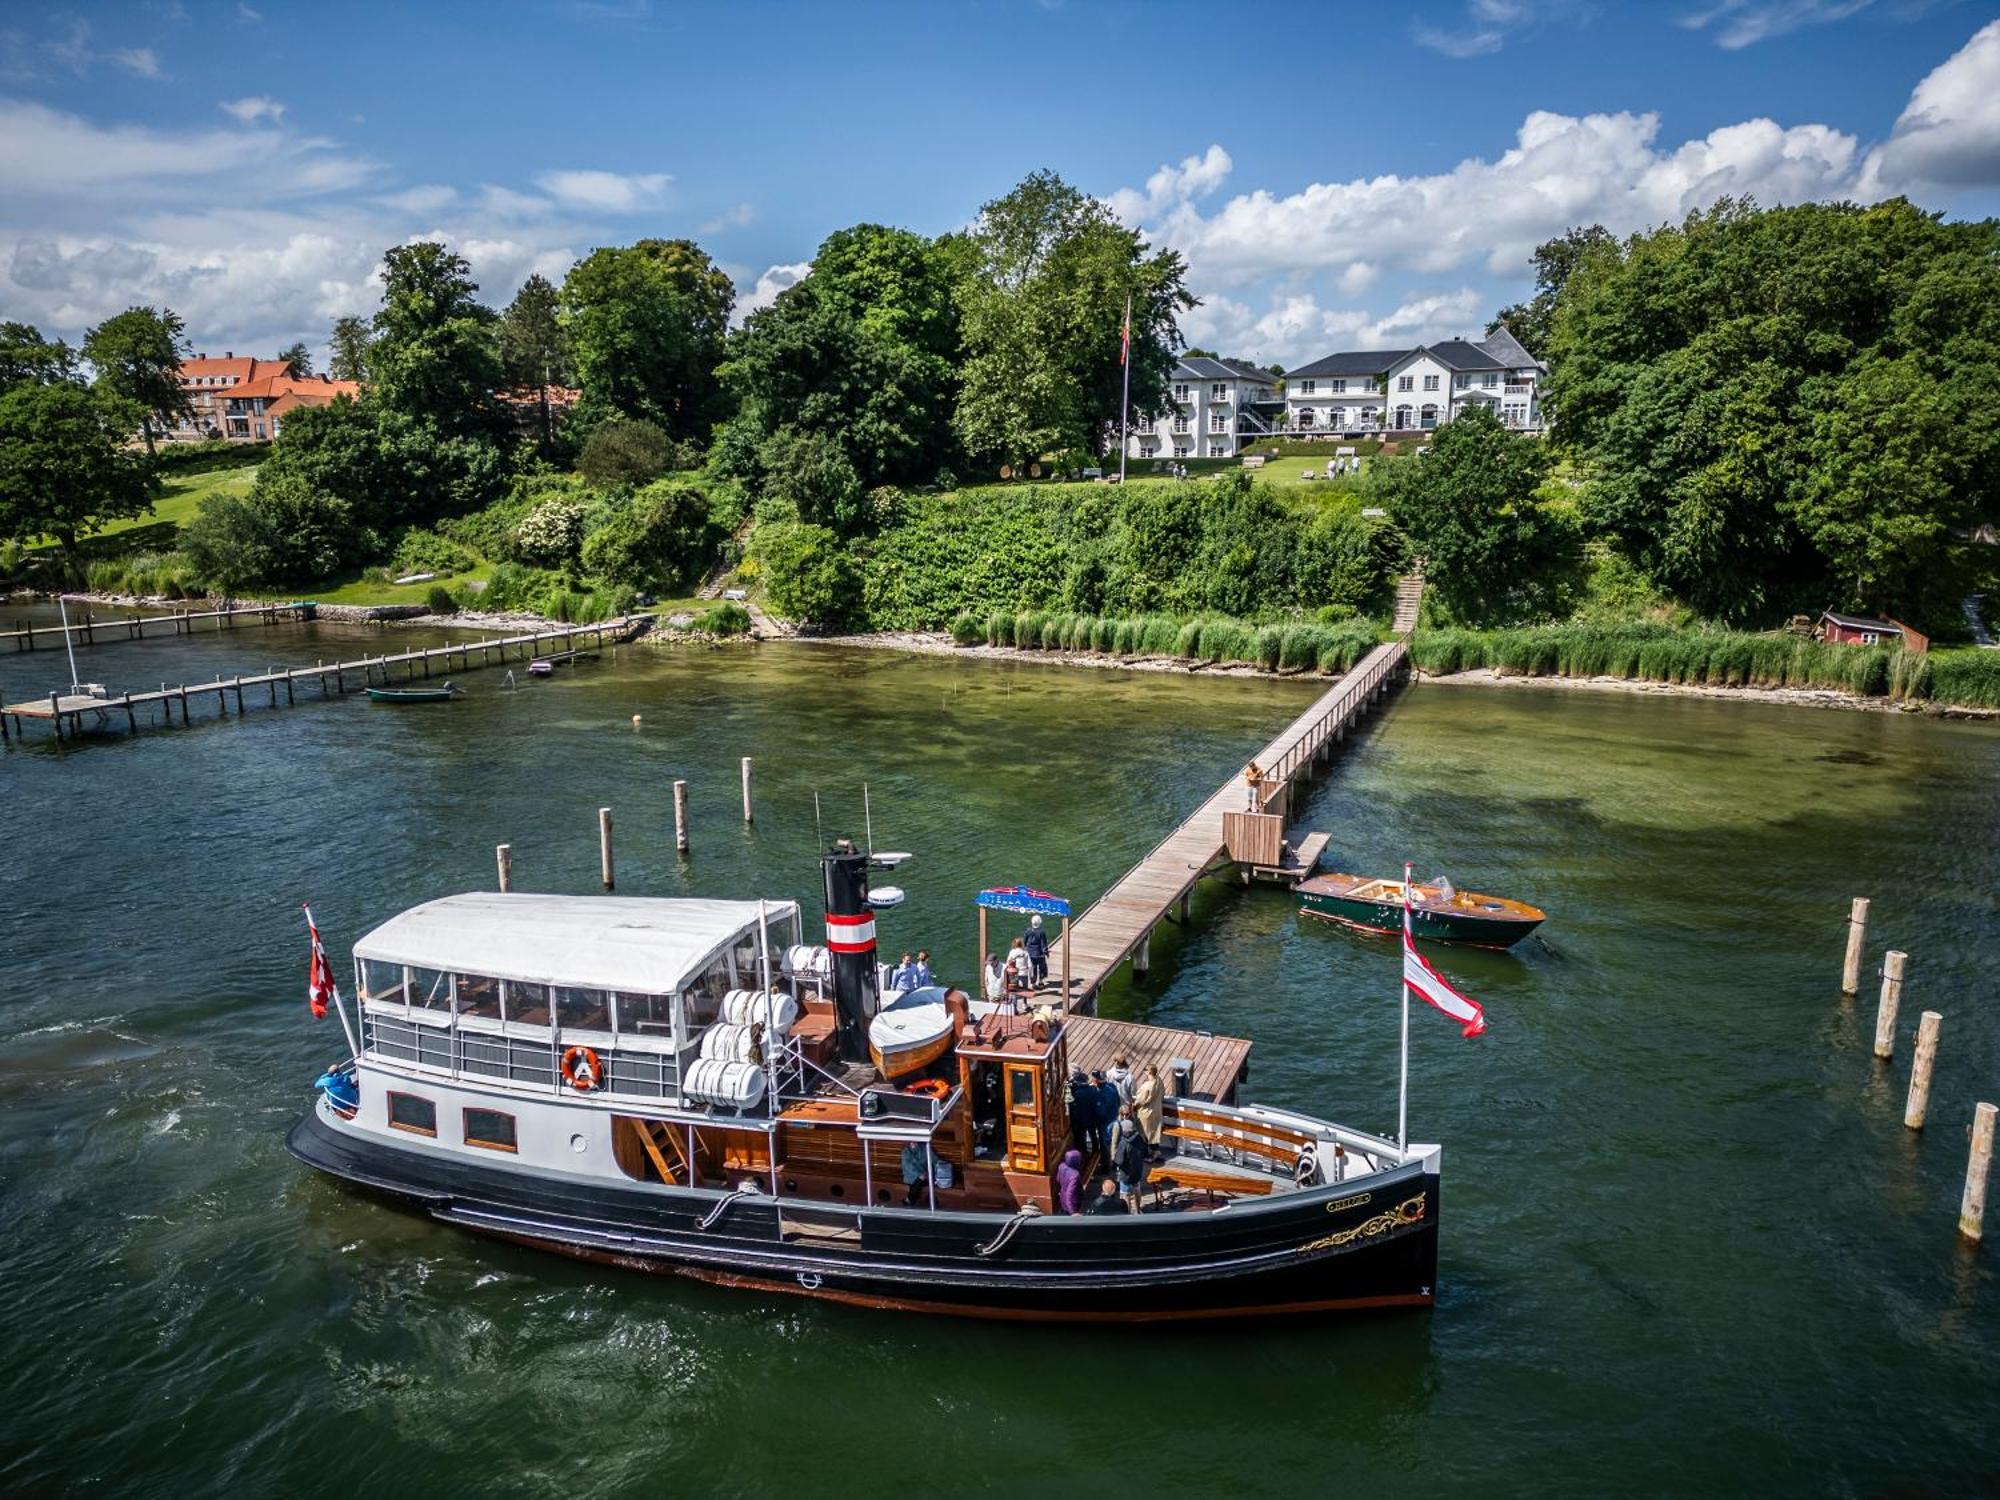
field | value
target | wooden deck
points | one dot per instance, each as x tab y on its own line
1220	1062
66	713
84	630
1117	926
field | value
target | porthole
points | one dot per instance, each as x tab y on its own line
577	1144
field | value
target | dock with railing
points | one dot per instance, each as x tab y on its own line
85	630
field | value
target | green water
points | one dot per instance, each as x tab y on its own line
1689	1247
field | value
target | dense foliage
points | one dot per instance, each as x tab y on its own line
1304	647
64	469
646	325
137	356
622	453
808	573
284	531
660	539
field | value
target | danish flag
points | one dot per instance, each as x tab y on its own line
1427	984
319	974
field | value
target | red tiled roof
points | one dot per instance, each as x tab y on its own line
311	392
243	369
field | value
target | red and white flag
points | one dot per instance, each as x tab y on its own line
1427	984
320	989
1125	341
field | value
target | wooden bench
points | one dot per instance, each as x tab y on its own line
1277	1151
1194	1180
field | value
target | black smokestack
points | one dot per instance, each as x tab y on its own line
850	937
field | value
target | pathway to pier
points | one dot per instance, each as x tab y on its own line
66	713
84	631
1119	923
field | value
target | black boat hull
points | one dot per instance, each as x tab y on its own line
1322	1250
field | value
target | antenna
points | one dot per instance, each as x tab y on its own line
819	834
868	819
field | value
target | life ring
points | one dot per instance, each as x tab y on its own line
929	1088
581	1070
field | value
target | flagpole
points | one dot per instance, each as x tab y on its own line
339	1005
1125	400
1403	1091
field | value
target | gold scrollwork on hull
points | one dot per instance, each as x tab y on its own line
1409	1211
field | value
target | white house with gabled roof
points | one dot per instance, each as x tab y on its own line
1413	390
1218	405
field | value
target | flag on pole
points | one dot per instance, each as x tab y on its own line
1125	340
1427	984
319	975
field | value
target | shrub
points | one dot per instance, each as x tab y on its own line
440	600
1187	640
625	454
726	618
1966	678
966	629
1299	648
1267	647
808	574
283	531
999	629
1222	640
550	534
1027	632
662	539
1103	635
814	475
421	551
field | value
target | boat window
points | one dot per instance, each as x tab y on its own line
648	1015
745	954
381	981
490	1128
409	1112
526	1003
478	996
1021	1088
703	994
430	989
583	1010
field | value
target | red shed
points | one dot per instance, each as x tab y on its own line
1860	630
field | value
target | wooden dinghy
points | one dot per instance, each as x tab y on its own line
1438	910
913	1030
443	693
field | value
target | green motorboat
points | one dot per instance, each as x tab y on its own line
1438	911
443	693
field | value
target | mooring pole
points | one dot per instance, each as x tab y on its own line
604	843
1920	1070
503	856
1972	1207
1857	939
748	816
1892	996
681	816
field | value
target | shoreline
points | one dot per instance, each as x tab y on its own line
1792	697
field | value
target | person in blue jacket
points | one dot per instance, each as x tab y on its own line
1036	942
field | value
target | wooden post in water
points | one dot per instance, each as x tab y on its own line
1920	1070
1142	956
604	843
1972	1207
55	713
1892	996
681	816
1857	938
184	705
503	856
748	816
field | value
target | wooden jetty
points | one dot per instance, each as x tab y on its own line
84	632
1219	1063
332	678
1119	925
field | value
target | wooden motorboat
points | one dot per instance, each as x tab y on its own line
443	693
1439	911
913	1030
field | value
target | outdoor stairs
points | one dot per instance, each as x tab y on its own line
1409	601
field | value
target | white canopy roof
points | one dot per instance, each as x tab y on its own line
638	944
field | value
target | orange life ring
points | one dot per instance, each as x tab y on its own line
930	1088
581	1070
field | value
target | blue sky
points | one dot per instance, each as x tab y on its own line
1338	175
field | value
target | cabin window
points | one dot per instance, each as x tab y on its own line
583	1010
490	1128
409	1112
430	989
381	981
646	1015
703	994
1021	1088
478	996
749	971
526	1003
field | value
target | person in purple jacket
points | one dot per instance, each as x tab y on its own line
1069	1182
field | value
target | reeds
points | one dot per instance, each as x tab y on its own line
1275	648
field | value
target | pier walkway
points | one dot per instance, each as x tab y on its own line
332	678
1118	925
84	631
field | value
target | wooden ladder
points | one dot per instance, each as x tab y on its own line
652	1135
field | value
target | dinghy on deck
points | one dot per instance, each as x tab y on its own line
912	1031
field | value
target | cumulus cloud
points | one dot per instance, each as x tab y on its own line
141	60
1295	326
253	108
605	192
1744	23
1196	177
1949	132
765	292
738	217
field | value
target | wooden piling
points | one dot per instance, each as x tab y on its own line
1892	996
1920	1070
681	816
1972	1207
604	844
503	856
1857	938
55	713
1142	956
748	816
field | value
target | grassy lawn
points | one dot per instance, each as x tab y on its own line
352	588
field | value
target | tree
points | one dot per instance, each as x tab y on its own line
1556	260
298	359
137	356
64	468
436	355
621	454
1043	309
26	356
391	470
1494	552
813	476
535	349
350	343
646	323
661	540
808	575
284	531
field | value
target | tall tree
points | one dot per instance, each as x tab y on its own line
535	348
647	322
436	355
137	356
1043	308
350	343
299	358
1556	261
64	468
25	356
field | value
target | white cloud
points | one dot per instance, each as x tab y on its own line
739	217
1296	328
1484	26
140	60
426	198
506	203
605	192
1949	132
1744	23
1196	177
250	110
765	292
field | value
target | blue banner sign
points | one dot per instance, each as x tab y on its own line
1022	898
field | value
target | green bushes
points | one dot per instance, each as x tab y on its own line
440	600
1966	679
421	551
661	539
1305	647
726	618
284	531
808	574
967	630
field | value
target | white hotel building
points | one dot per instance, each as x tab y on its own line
1412	390
1218	405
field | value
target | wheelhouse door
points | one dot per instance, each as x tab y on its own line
1024	1117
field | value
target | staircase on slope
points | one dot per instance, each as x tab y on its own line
1409	600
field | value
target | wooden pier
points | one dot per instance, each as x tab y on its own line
1119	925
84	632
332	678
1220	1063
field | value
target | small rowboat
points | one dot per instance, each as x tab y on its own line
911	1031
443	693
1438	911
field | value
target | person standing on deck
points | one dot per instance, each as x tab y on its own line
905	977
1037	944
1108	1202
1082	1108
1253	778
923	971
1069	1182
1149	1104
1131	1157
996	981
1020	971
1119	1076
1109	1102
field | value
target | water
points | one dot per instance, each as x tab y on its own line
1689	1246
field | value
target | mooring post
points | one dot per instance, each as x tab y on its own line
1920	1070
1892	996
1972	1207
604	843
748	816
238	685
55	712
681	816
1142	956
184	705
131	719
503	856
1857	938
1187	906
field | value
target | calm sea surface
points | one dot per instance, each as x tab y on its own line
1689	1247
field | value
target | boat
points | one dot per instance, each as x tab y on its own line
686	1086
442	693
1439	911
913	1029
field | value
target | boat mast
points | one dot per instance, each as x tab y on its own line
75	682
1403	1091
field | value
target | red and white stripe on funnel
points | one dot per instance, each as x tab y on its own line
851	934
